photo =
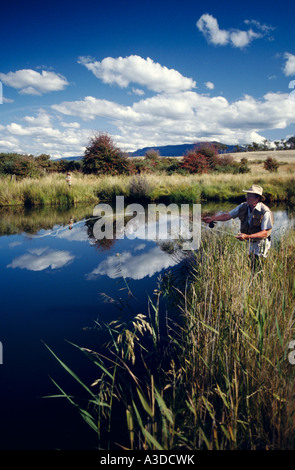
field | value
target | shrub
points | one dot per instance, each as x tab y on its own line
26	167
20	165
170	165
271	164
205	159
103	157
139	188
244	168
152	155
43	161
211	153
194	162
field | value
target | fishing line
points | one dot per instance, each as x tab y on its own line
218	230
53	233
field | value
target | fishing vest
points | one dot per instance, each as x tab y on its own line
255	223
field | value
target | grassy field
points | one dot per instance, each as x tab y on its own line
282	156
286	156
52	189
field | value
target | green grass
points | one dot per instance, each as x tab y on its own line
52	190
216	374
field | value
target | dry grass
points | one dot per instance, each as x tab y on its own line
287	156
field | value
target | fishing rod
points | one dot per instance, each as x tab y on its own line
212	224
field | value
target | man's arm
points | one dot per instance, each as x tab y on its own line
217	218
259	235
266	226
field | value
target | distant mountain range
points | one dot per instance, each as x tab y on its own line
179	150
69	158
173	150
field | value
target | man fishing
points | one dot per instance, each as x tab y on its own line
256	223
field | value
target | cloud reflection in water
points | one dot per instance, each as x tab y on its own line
134	266
42	258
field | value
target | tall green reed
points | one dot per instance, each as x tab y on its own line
215	373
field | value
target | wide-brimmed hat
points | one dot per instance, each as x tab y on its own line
255	189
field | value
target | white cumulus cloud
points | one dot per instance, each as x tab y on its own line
208	25
30	82
40	133
187	117
209	85
134	69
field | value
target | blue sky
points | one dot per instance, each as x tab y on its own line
149	73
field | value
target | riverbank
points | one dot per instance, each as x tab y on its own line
52	190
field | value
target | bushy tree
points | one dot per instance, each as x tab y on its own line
291	142
26	167
103	157
201	159
20	165
195	162
211	153
43	161
152	155
205	159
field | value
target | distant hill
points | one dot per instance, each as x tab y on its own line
69	159
172	150
179	150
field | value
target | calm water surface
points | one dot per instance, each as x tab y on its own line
55	280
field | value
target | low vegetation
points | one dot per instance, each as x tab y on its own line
52	190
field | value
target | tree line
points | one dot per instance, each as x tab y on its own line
23	165
283	144
103	157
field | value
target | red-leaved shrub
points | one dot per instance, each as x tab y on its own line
194	162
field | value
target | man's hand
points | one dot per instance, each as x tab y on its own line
242	236
207	219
